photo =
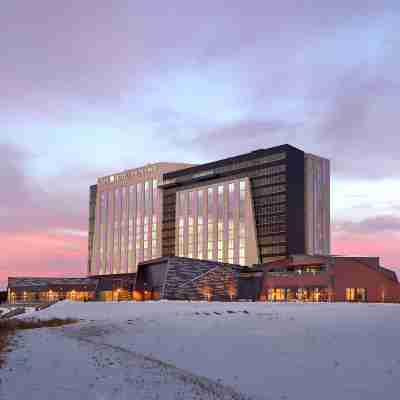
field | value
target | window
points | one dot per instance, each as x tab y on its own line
200	238
276	294
356	294
210	200
220	240
210	236
200	202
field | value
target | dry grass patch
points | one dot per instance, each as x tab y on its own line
9	326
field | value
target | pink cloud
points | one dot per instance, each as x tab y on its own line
42	254
384	245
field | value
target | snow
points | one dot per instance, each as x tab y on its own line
170	350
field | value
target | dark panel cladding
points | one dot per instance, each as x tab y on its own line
92	223
168	222
181	270
296	202
151	277
219	284
250	285
278	207
181	278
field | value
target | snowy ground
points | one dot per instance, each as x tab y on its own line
178	350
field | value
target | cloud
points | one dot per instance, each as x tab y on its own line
93	85
43	229
370	226
69	232
373	236
241	137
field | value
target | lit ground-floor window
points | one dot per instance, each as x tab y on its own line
356	294
298	294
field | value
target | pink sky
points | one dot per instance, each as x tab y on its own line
90	87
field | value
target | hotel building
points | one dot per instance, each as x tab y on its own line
250	227
245	210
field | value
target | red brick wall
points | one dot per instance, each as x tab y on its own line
304	280
353	274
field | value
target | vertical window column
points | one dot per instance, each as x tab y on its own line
210	224
231	223
146	238
110	245
190	225
117	220
200	226
154	252
139	224
103	233
154	229
242	225
124	235
131	228
220	225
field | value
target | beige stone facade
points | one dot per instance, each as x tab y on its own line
128	218
317	205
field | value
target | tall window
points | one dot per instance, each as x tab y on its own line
146	238
210	226
220	200
242	226
148	197
154	243
103	232
191	237
200	237
220	240
124	236
139	235
155	192
117	220
181	228
110	233
200	202
131	228
231	241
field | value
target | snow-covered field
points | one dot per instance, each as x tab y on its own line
179	350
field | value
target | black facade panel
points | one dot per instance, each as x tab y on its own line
296	202
277	186
249	287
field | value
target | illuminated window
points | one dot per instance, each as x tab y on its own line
200	237
200	202
356	294
210	236
191	237
276	294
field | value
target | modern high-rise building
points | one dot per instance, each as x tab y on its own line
248	209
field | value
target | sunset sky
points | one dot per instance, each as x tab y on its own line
88	88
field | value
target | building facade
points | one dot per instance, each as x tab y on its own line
317	205
248	209
245	210
125	219
294	278
329	278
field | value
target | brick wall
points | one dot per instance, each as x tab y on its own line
350	273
